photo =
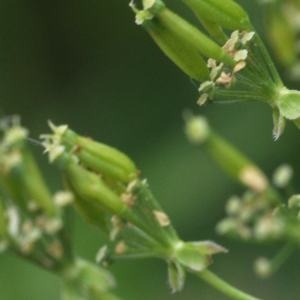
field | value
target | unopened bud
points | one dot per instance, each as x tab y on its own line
63	198
263	267
233	205
197	129
283	175
252	177
93	155
226	226
268	227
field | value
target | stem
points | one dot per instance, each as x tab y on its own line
224	287
282	256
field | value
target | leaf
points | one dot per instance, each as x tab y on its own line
279	124
208	247
190	257
196	256
176	276
289	104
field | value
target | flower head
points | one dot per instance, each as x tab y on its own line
110	193
230	61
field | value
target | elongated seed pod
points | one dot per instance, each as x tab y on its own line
226	13
190	35
11	186
34	183
89	187
21	175
187	58
92	213
215	31
100	158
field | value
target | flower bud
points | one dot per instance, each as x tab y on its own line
197	129
19	171
283	175
269	227
100	158
263	267
89	187
92	213
233	205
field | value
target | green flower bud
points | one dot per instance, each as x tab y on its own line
186	57
92	213
283	176
96	156
35	184
197	130
91	188
20	173
227	14
263	267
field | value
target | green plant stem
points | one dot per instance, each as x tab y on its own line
233	162
282	256
224	287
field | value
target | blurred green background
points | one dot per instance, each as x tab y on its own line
86	63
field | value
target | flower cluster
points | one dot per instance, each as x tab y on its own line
32	223
230	61
260	215
260	218
223	77
110	193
